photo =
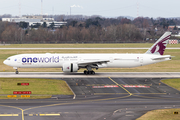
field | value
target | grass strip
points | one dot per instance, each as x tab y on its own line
162	114
175	83
96	45
40	88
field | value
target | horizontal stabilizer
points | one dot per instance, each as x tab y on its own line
161	57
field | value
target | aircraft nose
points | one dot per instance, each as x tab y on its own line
5	62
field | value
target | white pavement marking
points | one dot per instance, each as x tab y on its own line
129	115
71	90
129	112
168	107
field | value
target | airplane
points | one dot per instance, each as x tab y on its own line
73	62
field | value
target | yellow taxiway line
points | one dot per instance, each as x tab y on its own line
6	115
49	114
120	86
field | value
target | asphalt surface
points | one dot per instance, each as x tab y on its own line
111	98
97	75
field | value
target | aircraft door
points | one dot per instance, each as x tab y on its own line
18	59
111	59
141	59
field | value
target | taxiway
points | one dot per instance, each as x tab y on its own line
111	98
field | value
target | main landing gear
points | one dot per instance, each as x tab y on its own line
89	72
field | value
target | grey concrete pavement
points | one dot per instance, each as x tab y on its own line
97	75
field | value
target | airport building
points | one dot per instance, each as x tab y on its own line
171	27
33	20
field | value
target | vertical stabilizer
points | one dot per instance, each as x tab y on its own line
159	47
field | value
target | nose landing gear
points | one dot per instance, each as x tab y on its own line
17	72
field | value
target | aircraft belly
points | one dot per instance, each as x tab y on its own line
123	64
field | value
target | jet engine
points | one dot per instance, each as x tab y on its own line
70	67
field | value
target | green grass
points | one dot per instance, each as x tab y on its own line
164	114
175	83
111	45
40	88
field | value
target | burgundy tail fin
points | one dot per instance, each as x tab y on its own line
160	46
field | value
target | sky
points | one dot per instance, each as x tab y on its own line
105	8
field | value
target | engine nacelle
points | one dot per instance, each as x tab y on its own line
70	67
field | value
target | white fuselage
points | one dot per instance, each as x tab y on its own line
74	62
57	60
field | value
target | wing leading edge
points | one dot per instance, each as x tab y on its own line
85	63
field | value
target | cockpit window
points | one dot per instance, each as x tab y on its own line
8	59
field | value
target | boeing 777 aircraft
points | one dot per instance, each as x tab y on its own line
74	62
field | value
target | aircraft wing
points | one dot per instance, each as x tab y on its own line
161	57
84	63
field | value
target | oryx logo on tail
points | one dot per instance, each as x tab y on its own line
160	46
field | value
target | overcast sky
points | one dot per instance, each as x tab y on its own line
105	8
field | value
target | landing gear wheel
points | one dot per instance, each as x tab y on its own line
89	72
17	71
92	72
85	72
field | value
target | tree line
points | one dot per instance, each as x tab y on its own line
91	30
